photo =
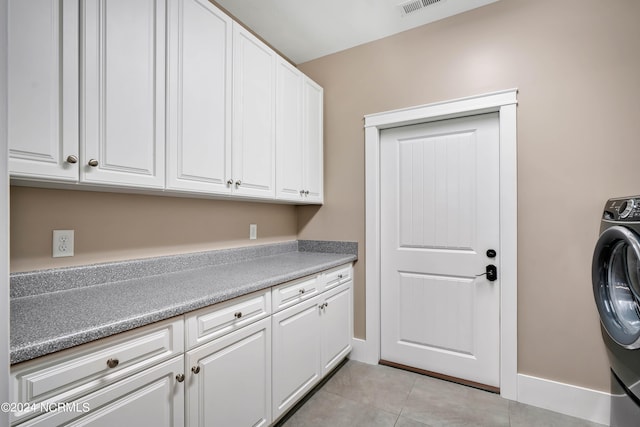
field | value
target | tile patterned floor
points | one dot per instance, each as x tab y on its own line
361	395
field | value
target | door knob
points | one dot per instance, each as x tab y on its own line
93	163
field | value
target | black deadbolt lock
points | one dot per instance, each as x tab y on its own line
492	273
491	253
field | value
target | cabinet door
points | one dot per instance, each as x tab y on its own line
150	398
199	97
253	147
296	354
337	326
43	89
232	386
313	141
123	80
289	142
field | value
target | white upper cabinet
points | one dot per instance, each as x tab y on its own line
199	97
289	142
122	74
159	95
43	89
299	169
312	106
253	146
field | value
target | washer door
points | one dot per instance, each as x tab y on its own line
616	284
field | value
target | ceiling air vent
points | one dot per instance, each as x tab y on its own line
415	5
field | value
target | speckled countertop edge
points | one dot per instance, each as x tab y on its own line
48	322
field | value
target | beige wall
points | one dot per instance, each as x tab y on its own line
112	227
576	64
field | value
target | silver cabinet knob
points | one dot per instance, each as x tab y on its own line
72	159
230	182
301	291
112	363
93	163
340	276
238	183
195	369
306	192
238	315
302	192
180	378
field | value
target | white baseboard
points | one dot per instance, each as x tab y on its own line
361	352
580	402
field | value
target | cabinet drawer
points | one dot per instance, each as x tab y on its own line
293	292
212	322
74	372
152	397
337	276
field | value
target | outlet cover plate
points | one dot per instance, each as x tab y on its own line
62	243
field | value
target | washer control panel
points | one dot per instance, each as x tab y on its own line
622	209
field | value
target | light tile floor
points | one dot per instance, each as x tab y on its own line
361	395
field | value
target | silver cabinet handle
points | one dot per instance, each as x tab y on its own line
93	163
72	159
301	291
112	363
238	183
230	182
195	369
302	192
180	378
306	192
238	315
340	276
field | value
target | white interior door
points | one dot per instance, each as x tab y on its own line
439	216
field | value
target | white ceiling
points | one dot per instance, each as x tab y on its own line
304	30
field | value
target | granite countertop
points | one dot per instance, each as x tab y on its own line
50	321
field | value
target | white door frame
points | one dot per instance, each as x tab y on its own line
503	102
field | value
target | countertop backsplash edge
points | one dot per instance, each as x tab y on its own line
23	284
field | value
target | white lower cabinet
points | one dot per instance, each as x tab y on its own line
151	398
296	353
309	340
229	379
231	364
336	326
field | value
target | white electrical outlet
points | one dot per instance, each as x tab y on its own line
62	243
253	231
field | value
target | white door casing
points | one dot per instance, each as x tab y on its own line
439	216
504	102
